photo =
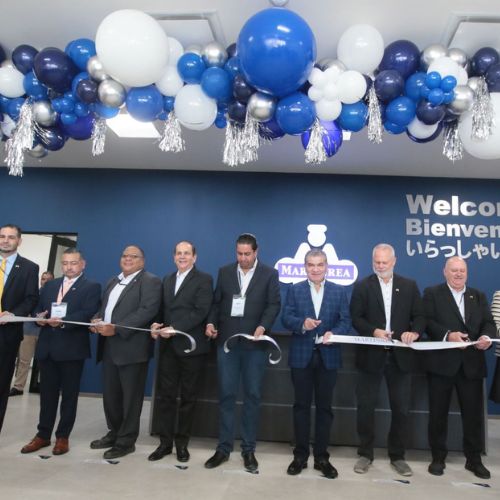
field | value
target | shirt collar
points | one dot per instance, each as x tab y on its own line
179	274
11	258
124	280
251	270
311	284
457	292
382	282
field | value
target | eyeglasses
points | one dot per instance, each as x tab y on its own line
131	256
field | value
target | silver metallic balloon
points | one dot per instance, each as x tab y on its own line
37	151
261	106
111	93
327	62
194	49
214	54
96	70
464	99
473	82
43	113
431	54
459	56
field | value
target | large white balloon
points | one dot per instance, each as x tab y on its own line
351	86
170	82
420	130
11	82
361	48
328	110
484	150
194	109
175	51
132	47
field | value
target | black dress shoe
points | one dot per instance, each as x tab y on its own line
249	461
15	392
216	459
160	452
182	453
478	469
326	468
296	467
436	468
118	451
101	444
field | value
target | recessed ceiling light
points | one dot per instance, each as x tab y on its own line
123	125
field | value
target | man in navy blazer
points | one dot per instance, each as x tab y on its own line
62	349
314	310
18	296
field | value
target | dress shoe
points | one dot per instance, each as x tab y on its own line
362	465
118	451
101	444
160	452
296	467
216	459
15	392
328	470
61	447
182	453
249	461
35	444
478	469
401	467
436	468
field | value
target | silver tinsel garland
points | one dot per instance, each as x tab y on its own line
453	148
21	140
171	139
242	142
375	128
483	117
315	152
99	137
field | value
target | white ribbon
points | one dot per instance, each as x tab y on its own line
262	338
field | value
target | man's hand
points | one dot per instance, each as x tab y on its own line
311	324
259	331
95	321
483	343
41	315
409	337
105	329
326	337
211	332
382	334
54	322
4	313
458	337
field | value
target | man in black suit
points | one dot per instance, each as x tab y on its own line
62	349
386	306
132	298
187	297
246	300
18	296
457	313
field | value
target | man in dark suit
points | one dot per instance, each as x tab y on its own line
386	306
62	349
457	313
314	309
18	296
132	298
246	300
187	297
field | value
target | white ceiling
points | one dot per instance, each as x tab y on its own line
55	23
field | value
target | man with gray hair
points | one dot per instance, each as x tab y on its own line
386	306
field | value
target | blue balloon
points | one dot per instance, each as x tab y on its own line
54	69
217	84
2	55
394	128
232	66
52	138
81	109
80	51
86	90
78	78
448	83
168	103
14	107
23	58
104	111
448	97
433	80
232	50
413	85
427	139
401	111
295	113
56	104
424	91
277	50
144	103
331	136
191	67
436	97
4	103
430	114
34	88
67	105
220	122
482	60
353	116
402	56
270	130
81	128
68	118
389	84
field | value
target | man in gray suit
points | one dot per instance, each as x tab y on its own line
132	299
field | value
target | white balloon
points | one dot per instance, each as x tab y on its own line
315	94
317	78
484	150
328	110
352	86
132	47
361	47
170	83
463	77
175	51
332	73
11	82
331	91
194	109
8	125
420	130
445	66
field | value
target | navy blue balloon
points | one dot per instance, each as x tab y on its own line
389	84
482	60
493	78
232	66
237	111
331	136
295	113
217	84
80	51
353	116
54	69
429	114
191	67
144	103
2	55
277	50
52	138
80	129
270	130
427	139
369	85
232	50
394	128
14	107
34	88
402	56
77	79
242	91
23	58
168	103
413	85
86	90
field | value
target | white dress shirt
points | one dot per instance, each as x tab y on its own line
116	292
387	297
179	279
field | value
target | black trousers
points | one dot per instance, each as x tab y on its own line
315	380
367	392
8	354
58	378
470	399
177	376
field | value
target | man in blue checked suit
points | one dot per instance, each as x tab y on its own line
314	310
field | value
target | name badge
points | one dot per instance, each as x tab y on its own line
238	306
58	310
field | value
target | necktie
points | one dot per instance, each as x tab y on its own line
63	289
2	279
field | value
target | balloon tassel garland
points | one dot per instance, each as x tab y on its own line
21	140
232	144
315	152
482	112
453	148
250	139
242	142
99	137
375	129
171	140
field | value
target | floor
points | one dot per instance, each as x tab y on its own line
83	474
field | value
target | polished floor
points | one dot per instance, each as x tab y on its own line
83	474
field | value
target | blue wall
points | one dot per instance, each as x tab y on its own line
112	208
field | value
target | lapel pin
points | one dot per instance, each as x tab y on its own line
471	296
397	289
